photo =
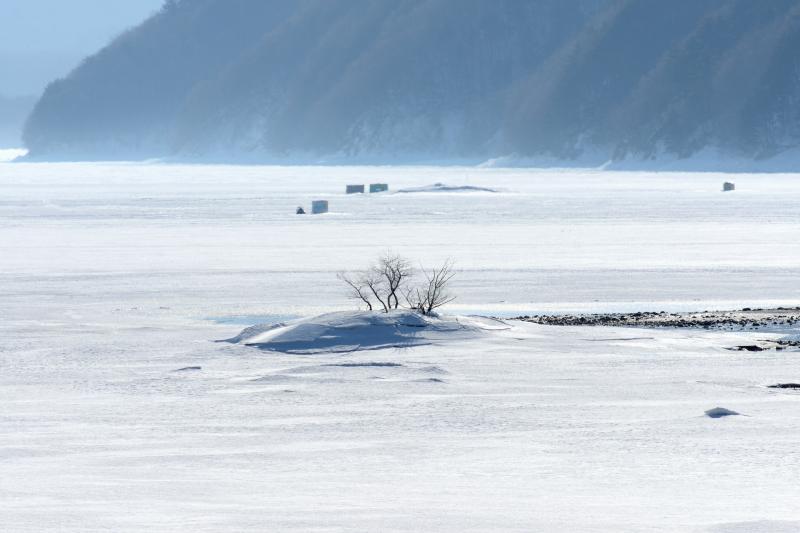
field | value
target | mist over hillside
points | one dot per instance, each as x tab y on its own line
13	111
434	80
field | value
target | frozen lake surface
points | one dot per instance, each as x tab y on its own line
114	276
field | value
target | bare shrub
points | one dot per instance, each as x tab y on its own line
381	283
376	284
392	276
358	289
434	291
396	271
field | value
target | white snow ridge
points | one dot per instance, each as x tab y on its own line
350	331
441	187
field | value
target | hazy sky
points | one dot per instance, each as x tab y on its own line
44	39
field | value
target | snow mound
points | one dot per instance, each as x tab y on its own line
441	187
10	154
719	412
361	330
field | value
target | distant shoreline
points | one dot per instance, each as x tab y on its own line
718	164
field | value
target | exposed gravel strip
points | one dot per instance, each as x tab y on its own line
744	319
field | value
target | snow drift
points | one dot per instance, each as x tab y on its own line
362	330
441	187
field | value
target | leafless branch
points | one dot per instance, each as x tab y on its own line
375	284
436	293
357	289
396	270
390	278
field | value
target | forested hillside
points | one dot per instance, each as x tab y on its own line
426	80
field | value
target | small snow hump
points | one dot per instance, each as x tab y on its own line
351	331
441	187
719	412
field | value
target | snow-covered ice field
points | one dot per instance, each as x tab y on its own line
114	276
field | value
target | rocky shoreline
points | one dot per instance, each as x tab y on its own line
744	319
